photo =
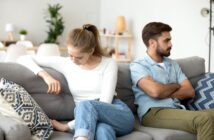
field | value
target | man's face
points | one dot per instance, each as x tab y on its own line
164	44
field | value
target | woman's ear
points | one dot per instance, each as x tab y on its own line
92	51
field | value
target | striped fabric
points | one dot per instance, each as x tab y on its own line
204	94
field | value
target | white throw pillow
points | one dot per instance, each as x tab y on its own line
15	102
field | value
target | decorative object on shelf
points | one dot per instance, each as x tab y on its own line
23	34
120	25
116	50
56	23
9	29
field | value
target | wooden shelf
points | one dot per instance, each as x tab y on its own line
117	44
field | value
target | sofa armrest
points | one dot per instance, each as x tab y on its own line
1	134
13	130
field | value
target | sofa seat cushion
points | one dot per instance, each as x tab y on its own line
204	94
164	134
15	102
135	135
10	129
57	135
167	134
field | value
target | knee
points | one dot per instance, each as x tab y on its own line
85	106
205	118
105	131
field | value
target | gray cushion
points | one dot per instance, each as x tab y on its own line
11	129
58	107
61	136
193	67
164	134
124	86
136	135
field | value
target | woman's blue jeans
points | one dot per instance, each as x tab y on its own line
102	121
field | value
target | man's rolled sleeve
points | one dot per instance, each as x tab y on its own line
137	72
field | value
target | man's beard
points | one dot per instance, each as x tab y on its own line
161	52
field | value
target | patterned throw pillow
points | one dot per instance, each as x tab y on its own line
204	94
15	102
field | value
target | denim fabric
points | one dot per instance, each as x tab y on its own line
99	120
148	67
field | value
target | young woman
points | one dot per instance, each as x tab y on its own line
92	79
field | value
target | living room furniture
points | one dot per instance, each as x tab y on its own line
13	52
25	43
61	106
48	49
2	52
119	41
8	43
63	50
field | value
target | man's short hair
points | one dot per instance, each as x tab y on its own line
153	30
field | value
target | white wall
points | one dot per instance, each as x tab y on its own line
190	29
29	14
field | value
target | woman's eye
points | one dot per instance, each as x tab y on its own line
75	57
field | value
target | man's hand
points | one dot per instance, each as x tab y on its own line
53	84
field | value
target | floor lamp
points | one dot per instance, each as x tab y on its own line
205	12
211	29
210	35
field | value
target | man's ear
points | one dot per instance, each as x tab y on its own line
152	42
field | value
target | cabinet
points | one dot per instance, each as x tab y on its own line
8	43
118	42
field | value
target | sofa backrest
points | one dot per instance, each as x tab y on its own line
193	67
124	86
56	107
61	107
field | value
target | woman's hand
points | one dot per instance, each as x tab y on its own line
53	84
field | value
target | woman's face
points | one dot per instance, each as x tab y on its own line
78	57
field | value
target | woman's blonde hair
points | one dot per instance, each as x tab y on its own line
86	38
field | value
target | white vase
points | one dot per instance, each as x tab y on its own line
22	37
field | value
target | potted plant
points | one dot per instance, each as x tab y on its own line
55	23
23	34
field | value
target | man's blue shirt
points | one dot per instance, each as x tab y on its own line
148	67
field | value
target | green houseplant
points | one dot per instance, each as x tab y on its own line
23	34
55	23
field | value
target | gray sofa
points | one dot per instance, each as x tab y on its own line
61	107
